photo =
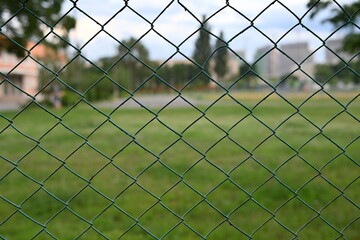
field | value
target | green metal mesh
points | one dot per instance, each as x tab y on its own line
201	203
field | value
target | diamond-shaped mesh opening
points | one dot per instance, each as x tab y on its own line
131	120
79	81
42	235
202	134
348	214
279	108
85	126
135	232
227	197
295	172
70	184
318	228
226	155
155	39
319	151
66	219
273	152
275	10
101	89
113	222
195	216
164	24
250	174
341	171
179	114
272	194
127	17
249	216
34	113
180	231
272	229
41	206
19	226
297	126
318	193
135	195
61	142
14	145
157	132
158	220
108	177
133	159
320	109
117	137
226	231
295	214
88	203
86	162
337	131
90	233
249	133
46	164
203	177
12	194
226	117
180	199
6	210
227	16
157	179
351	150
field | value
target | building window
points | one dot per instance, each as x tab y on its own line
9	90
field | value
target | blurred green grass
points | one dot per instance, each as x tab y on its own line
230	181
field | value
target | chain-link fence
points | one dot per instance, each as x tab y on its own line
204	144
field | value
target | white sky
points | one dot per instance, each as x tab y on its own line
176	24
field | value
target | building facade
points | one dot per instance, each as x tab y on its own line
273	63
334	52
19	76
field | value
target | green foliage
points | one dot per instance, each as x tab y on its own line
334	73
247	75
221	57
203	49
346	17
69	98
178	74
25	24
134	55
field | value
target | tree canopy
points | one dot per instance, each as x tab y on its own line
346	16
202	45
221	57
23	21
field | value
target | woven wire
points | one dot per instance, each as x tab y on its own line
182	219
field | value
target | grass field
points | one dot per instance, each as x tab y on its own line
236	180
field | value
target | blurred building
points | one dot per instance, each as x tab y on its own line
336	48
273	64
23	72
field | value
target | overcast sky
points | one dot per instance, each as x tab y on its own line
176	24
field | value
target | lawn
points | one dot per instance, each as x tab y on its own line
237	172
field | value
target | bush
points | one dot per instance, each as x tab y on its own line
69	99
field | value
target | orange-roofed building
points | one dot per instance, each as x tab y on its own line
23	72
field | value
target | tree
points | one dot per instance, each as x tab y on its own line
248	77
20	21
347	16
133	53
221	57
203	48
